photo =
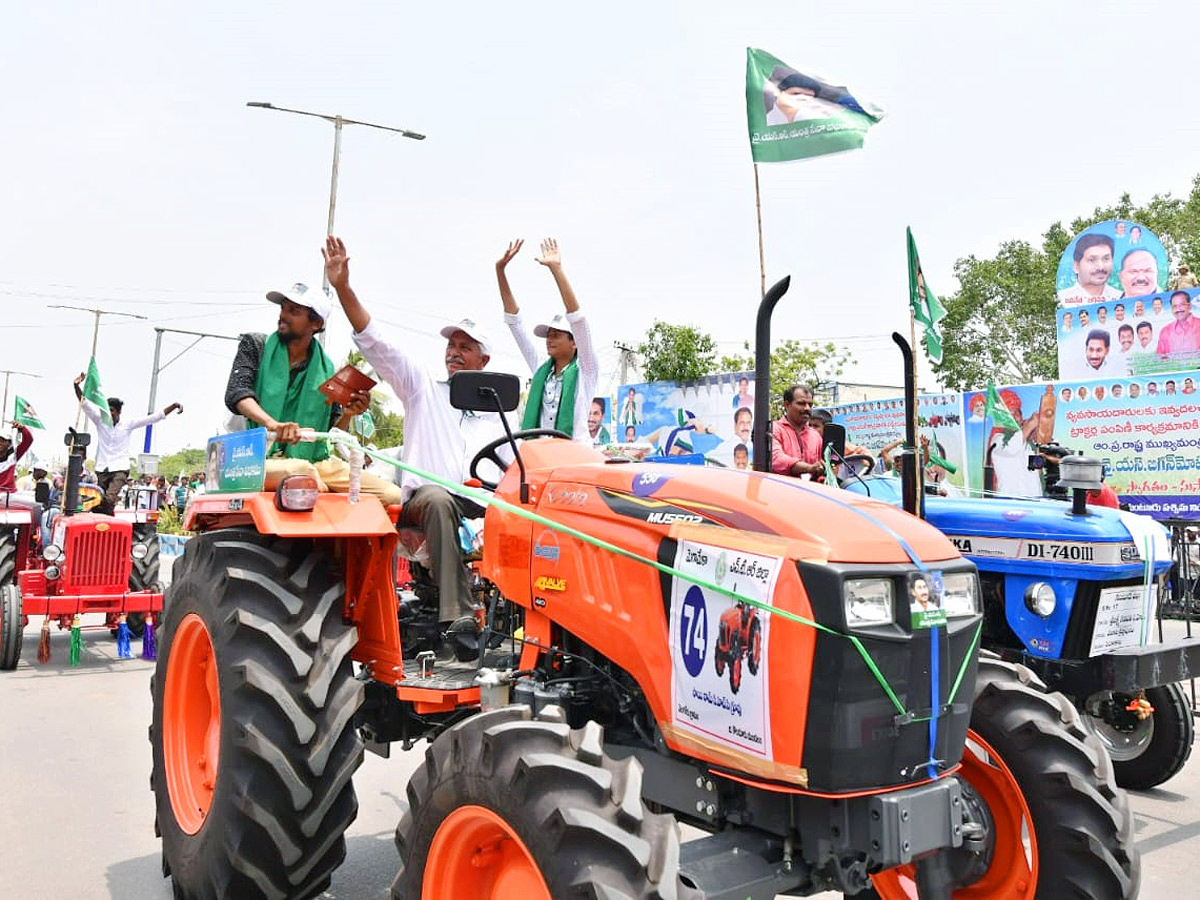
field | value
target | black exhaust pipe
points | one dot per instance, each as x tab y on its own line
76	451
914	500
762	374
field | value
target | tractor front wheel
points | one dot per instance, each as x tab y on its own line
12	626
1145	752
506	807
1059	825
252	733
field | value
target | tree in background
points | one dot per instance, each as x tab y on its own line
185	461
817	365
1001	324
389	426
677	353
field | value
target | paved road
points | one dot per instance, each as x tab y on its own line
77	818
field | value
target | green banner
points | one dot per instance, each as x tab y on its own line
94	391
926	308
795	116
25	414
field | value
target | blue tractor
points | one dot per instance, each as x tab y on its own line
1070	591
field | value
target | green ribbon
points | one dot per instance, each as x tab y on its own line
485	499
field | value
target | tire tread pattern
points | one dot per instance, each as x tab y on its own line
579	812
284	795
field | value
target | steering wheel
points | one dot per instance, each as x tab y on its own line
488	451
866	461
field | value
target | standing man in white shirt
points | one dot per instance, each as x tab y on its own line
564	385
438	438
112	443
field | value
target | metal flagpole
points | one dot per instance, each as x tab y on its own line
762	268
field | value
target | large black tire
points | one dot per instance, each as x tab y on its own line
1082	821
8	556
12	626
144	576
579	813
1152	750
282	795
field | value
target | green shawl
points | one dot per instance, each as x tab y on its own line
564	420
287	399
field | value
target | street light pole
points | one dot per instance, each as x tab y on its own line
337	122
199	335
95	335
7	373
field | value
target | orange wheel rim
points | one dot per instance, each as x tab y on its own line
476	854
191	727
1014	869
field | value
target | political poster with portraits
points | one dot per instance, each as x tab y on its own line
711	418
1111	260
1143	428
877	424
1146	431
1140	336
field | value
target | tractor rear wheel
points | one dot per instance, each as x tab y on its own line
1145	752
12	626
506	807
252	733
1060	826
8	556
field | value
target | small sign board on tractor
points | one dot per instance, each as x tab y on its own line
236	462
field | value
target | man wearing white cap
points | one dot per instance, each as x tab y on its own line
274	382
438	438
563	386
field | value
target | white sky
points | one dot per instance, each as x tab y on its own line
137	180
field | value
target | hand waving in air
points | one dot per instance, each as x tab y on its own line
337	262
550	256
514	247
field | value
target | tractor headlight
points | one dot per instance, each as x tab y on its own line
52	553
1040	599
297	493
139	551
52	573
960	594
868	601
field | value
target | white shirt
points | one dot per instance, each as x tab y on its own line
112	441
585	385
1010	462
438	438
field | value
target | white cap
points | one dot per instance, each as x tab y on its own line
316	299
471	329
559	323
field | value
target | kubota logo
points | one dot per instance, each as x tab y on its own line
546	583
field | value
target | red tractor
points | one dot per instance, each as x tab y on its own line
871	755
739	635
74	563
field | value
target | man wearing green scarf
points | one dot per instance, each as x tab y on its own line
563	386
274	382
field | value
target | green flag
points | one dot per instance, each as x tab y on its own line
926	308
364	425
998	412
795	116
24	414
93	391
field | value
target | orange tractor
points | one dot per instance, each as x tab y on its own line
870	755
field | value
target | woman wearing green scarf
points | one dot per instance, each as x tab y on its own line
563	386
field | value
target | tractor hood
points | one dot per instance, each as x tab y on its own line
1043	530
826	523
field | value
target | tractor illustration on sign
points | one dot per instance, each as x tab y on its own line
739	636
